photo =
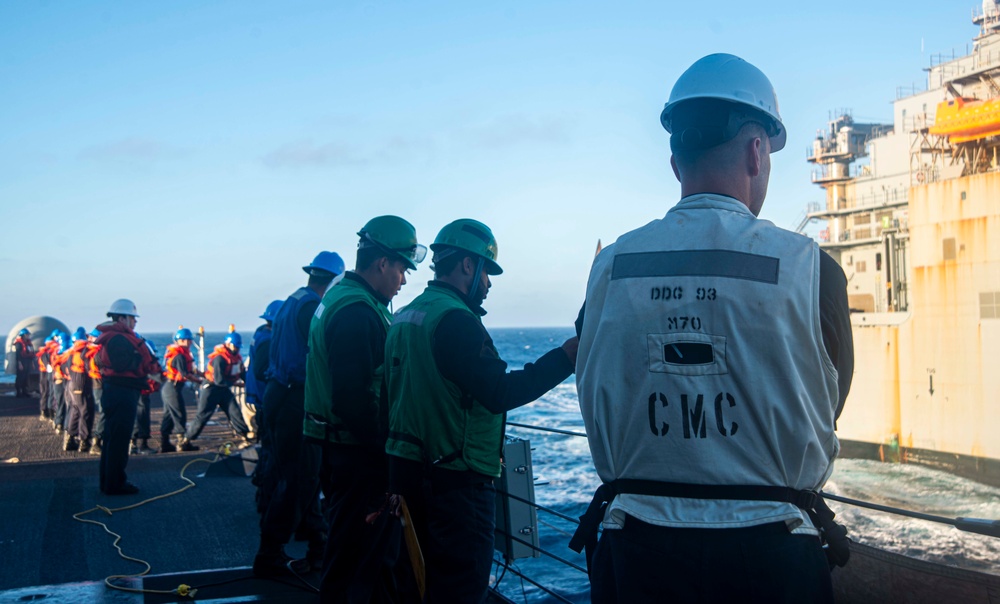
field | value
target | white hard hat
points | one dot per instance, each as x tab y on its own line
123	307
727	78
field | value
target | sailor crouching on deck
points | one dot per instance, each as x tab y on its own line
125	365
449	392
715	356
347	416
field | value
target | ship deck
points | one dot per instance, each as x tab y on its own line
205	535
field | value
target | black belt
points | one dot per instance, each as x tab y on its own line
833	535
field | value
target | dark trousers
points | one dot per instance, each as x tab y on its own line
214	397
44	395
21	379
646	563
362	560
59	403
119	405
81	414
174	410
455	526
95	397
295	467
141	429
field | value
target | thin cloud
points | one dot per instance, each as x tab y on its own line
307	153
519	129
131	149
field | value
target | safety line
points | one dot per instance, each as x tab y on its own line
182	590
539	506
540	550
538	585
981	526
553	430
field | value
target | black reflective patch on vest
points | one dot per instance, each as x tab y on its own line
697	263
688	353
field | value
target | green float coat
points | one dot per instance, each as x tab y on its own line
429	419
319	382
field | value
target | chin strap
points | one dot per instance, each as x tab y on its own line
474	287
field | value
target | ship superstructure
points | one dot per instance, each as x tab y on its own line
913	217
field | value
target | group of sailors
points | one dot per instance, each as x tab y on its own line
70	386
380	412
403	415
350	402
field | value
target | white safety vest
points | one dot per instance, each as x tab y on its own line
702	361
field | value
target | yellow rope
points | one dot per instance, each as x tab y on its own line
181	590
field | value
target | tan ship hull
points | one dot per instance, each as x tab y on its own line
928	379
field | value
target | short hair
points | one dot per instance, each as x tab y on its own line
116	317
689	157
320	278
444	264
367	256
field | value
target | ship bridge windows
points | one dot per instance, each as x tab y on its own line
989	305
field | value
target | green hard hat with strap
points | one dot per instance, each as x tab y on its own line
471	236
394	235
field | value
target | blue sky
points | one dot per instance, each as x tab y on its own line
192	156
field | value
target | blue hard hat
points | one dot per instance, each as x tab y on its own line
55	333
24	332
183	334
64	342
95	333
272	310
79	334
151	347
330	262
234	339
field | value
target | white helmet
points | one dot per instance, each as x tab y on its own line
123	307
727	78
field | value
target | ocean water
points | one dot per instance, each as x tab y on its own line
566	481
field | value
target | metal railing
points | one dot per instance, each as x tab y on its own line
973	525
508	565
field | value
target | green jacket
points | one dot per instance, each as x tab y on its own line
320	420
430	420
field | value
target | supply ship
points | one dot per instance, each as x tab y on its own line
913	216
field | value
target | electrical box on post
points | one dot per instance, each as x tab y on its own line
517	522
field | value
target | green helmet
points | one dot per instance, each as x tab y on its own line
395	235
471	236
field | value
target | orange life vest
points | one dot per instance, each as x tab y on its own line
57	360
79	377
146	363
184	352
43	358
25	351
92	370
232	365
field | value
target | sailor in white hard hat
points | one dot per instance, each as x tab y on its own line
715	355
126	365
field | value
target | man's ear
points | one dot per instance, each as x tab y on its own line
673	165
754	155
467	265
